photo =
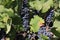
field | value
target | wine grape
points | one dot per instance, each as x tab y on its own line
25	15
43	31
49	18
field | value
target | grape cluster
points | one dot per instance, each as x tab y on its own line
50	17
49	24
43	31
25	14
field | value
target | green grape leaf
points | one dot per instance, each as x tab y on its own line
8	26
47	5
2	25
6	2
56	13
5	22
1	8
5	19
36	4
56	29
57	25
35	23
31	4
10	12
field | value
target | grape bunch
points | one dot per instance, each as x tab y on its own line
25	15
49	18
43	31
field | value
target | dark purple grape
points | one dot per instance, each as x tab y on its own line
43	31
25	14
25	1
25	9
36	37
49	18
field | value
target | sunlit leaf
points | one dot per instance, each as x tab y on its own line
47	5
31	4
36	4
8	28
35	23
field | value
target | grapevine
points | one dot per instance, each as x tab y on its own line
29	19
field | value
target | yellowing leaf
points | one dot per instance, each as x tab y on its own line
40	23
